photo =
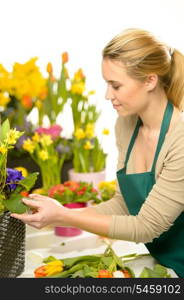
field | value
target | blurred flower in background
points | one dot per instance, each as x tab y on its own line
107	189
45	147
20	89
72	192
88	153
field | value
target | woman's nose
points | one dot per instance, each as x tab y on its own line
109	94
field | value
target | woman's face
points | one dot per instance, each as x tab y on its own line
128	96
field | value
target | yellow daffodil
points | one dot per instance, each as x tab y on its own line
4	99
29	146
3	149
79	75
36	137
22	170
43	154
46	140
13	136
89	132
88	145
38	104
78	88
79	134
27	80
105	131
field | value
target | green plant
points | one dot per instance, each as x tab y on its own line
12	183
88	153
71	192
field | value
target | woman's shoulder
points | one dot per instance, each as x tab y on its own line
175	138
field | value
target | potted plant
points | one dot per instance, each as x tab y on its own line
49	150
89	158
13	186
73	194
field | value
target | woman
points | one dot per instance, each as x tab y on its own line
145	85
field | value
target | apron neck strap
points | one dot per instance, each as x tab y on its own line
164	128
139	122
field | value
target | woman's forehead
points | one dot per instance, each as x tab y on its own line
113	70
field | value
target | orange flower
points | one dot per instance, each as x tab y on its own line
27	101
49	68
40	272
126	273
64	57
56	189
24	193
50	268
104	274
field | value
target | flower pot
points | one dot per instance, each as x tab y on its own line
93	177
69	231
12	246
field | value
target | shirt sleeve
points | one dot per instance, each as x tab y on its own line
163	205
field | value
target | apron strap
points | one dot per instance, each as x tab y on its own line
139	122
164	128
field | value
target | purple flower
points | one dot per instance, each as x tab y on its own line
13	176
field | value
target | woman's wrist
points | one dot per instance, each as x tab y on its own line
87	220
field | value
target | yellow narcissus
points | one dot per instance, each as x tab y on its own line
79	134
28	145
43	154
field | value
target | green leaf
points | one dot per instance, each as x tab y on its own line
158	271
5	128
14	204
69	262
49	259
29	181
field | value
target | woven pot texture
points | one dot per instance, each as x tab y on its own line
12	246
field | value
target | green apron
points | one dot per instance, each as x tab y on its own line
168	248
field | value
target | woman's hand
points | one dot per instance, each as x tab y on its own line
45	211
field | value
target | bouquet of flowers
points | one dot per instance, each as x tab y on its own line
88	154
72	192
13	185
49	150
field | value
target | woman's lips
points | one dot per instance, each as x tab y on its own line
116	106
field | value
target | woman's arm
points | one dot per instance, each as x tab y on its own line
48	211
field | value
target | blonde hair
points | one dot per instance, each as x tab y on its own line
142	54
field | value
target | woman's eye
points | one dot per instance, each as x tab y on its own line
116	87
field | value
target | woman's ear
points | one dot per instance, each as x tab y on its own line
151	82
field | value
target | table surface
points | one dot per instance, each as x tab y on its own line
43	243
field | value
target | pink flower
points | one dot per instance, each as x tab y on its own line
54	131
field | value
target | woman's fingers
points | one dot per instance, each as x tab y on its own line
24	217
38	197
31	203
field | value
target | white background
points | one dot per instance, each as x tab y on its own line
46	28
